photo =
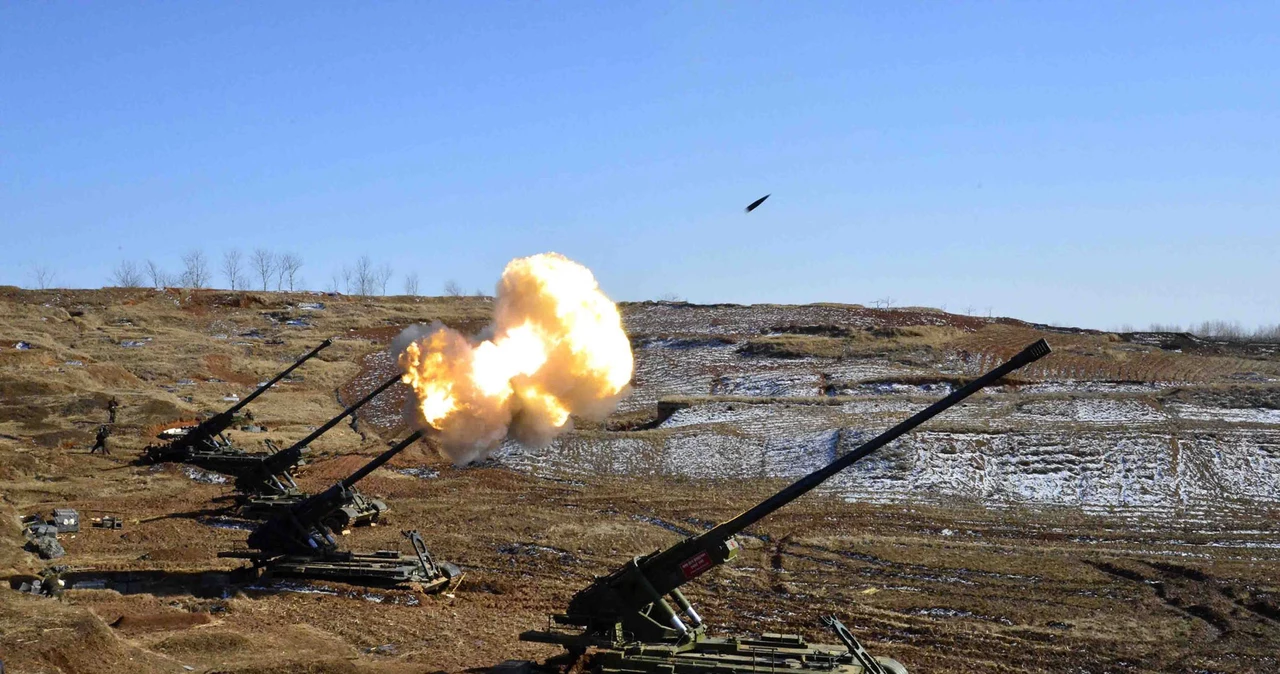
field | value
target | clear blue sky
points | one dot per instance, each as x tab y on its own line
1090	164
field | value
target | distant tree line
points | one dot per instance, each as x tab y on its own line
1227	331
261	269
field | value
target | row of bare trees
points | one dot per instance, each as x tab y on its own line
363	278
261	269
195	273
1227	331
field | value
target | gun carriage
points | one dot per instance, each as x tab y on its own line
627	622
298	542
268	486
204	444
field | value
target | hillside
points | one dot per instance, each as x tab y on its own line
1113	508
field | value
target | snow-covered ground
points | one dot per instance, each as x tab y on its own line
1129	448
738	319
1095	466
1097	446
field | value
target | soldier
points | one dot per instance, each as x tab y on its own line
111	410
100	442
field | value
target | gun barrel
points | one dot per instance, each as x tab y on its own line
296	448
379	460
1027	356
262	389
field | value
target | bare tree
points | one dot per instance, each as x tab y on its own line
195	270
159	277
452	289
346	279
411	284
364	276
263	263
232	269
382	275
127	275
289	264
43	275
669	297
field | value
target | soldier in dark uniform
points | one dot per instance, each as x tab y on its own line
111	410
100	442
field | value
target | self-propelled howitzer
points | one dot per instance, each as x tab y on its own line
627	617
299	542
203	445
268	486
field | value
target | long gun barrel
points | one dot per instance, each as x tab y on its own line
803	485
204	434
634	595
263	389
378	461
285	458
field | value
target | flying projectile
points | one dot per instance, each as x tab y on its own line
755	203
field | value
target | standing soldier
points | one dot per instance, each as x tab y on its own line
111	410
100	442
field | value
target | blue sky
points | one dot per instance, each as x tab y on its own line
1087	164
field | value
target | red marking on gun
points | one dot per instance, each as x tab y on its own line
696	565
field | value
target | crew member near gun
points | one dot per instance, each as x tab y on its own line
100	441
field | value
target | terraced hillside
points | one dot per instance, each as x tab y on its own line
1136	425
1111	510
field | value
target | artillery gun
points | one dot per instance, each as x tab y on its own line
268	487
204	444
626	618
298	542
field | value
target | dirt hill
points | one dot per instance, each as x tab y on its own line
1112	509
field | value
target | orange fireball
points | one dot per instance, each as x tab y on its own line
558	349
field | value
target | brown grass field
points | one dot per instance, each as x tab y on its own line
963	589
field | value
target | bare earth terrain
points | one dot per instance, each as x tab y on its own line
1114	509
